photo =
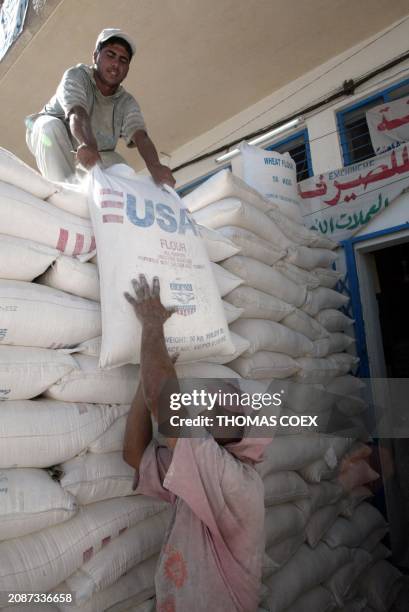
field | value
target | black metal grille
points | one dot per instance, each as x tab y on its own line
354	131
297	148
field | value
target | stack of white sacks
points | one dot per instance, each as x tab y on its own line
69	522
83	532
323	549
87	535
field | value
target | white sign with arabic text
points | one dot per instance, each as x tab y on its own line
339	203
389	125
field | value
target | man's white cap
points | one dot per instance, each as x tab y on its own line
110	33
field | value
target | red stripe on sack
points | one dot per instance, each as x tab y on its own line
87	554
62	240
112	219
107	191
93	245
79	244
111	204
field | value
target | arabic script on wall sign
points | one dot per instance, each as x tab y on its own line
339	203
346	221
389	125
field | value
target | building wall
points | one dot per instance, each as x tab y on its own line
322	126
395	215
313	86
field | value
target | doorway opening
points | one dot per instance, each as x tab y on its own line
383	272
392	265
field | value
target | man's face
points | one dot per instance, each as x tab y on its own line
112	64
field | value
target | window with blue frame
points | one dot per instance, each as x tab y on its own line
353	128
298	146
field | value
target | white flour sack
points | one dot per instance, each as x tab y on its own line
334	321
240	345
27	372
279	553
271	336
218	246
224	184
317	598
68	197
119	556
232	312
232	211
91	477
251	245
328	277
24	216
283	521
304	571
126	593
271	174
34	315
318	371
299	321
323	298
16	172
41	433
73	276
298	275
40	561
300	234
112	439
264	278
265	365
225	281
256	304
24	259
85	382
204	370
311	257
91	347
141	228
72	198
30	500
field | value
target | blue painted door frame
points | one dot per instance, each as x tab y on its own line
351	286
355	310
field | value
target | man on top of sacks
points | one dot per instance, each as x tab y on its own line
212	554
88	114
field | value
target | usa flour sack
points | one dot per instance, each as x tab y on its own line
142	228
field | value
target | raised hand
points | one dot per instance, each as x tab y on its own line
146	303
87	156
162	174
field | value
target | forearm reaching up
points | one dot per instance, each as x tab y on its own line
138	432
160	173
80	126
157	372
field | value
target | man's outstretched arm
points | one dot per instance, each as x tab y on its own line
160	173
138	432
157	372
80	127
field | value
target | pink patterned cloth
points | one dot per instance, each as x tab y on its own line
213	549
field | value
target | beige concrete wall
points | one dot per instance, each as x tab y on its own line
199	64
314	85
